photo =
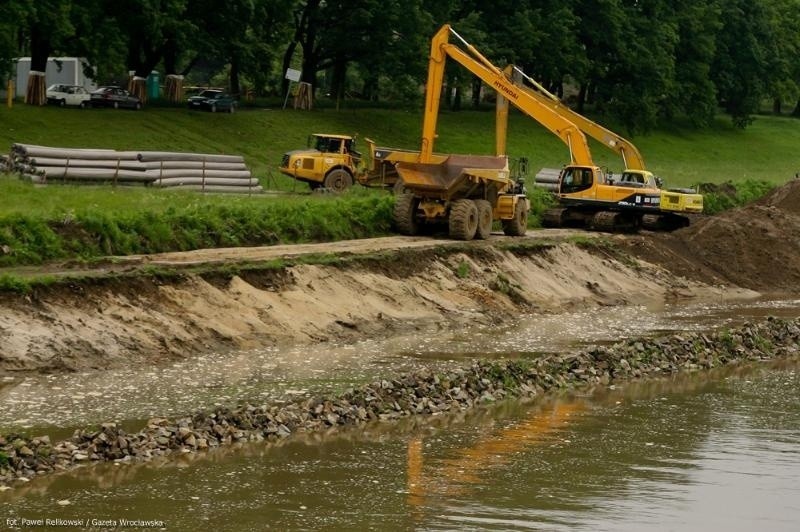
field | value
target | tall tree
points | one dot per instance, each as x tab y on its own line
150	27
600	33
634	85
741	67
10	24
785	21
693	93
269	28
46	24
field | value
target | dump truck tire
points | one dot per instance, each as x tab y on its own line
518	225
484	219
463	219
338	180
405	214
399	187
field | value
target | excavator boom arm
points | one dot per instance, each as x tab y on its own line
631	157
476	63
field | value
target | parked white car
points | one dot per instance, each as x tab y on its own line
68	95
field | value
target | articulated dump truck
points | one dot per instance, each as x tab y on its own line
467	192
333	162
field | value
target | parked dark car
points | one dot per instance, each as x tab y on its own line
115	97
213	100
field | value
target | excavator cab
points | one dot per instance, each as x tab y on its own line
639	179
576	179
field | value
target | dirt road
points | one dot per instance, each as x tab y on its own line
261	254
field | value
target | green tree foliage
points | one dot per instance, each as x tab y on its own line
633	61
746	49
14	12
691	92
785	19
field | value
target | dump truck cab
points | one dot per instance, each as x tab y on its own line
331	161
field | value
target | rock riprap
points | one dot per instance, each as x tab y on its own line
421	393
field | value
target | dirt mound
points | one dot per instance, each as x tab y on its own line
756	246
786	198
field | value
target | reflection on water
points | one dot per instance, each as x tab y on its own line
496	449
718	451
60	403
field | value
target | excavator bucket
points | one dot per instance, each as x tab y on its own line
454	173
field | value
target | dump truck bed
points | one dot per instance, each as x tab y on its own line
455	175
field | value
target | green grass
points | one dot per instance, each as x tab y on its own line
40	224
92	222
730	195
767	150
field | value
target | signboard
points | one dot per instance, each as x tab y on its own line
292	74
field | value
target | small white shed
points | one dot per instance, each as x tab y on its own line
64	70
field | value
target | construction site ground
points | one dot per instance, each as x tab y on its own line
150	310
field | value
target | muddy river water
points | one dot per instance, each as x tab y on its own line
713	451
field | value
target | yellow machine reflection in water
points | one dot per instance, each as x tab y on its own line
454	475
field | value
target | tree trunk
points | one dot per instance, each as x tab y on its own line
36	92
476	92
234	81
582	97
370	88
776	106
172	80
338	79
170	57
456	99
796	111
309	68
308	41
287	62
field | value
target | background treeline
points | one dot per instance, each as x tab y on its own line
635	61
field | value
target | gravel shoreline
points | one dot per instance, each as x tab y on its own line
23	458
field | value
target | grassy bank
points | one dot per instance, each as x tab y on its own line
63	222
765	151
95	222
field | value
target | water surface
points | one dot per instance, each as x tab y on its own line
716	451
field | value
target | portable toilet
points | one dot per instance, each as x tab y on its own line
153	87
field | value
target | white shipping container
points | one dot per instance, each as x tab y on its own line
64	70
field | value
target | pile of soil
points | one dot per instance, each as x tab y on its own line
756	246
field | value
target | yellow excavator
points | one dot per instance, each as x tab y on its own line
440	191
637	194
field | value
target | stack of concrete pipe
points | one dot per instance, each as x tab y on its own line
169	170
547	178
